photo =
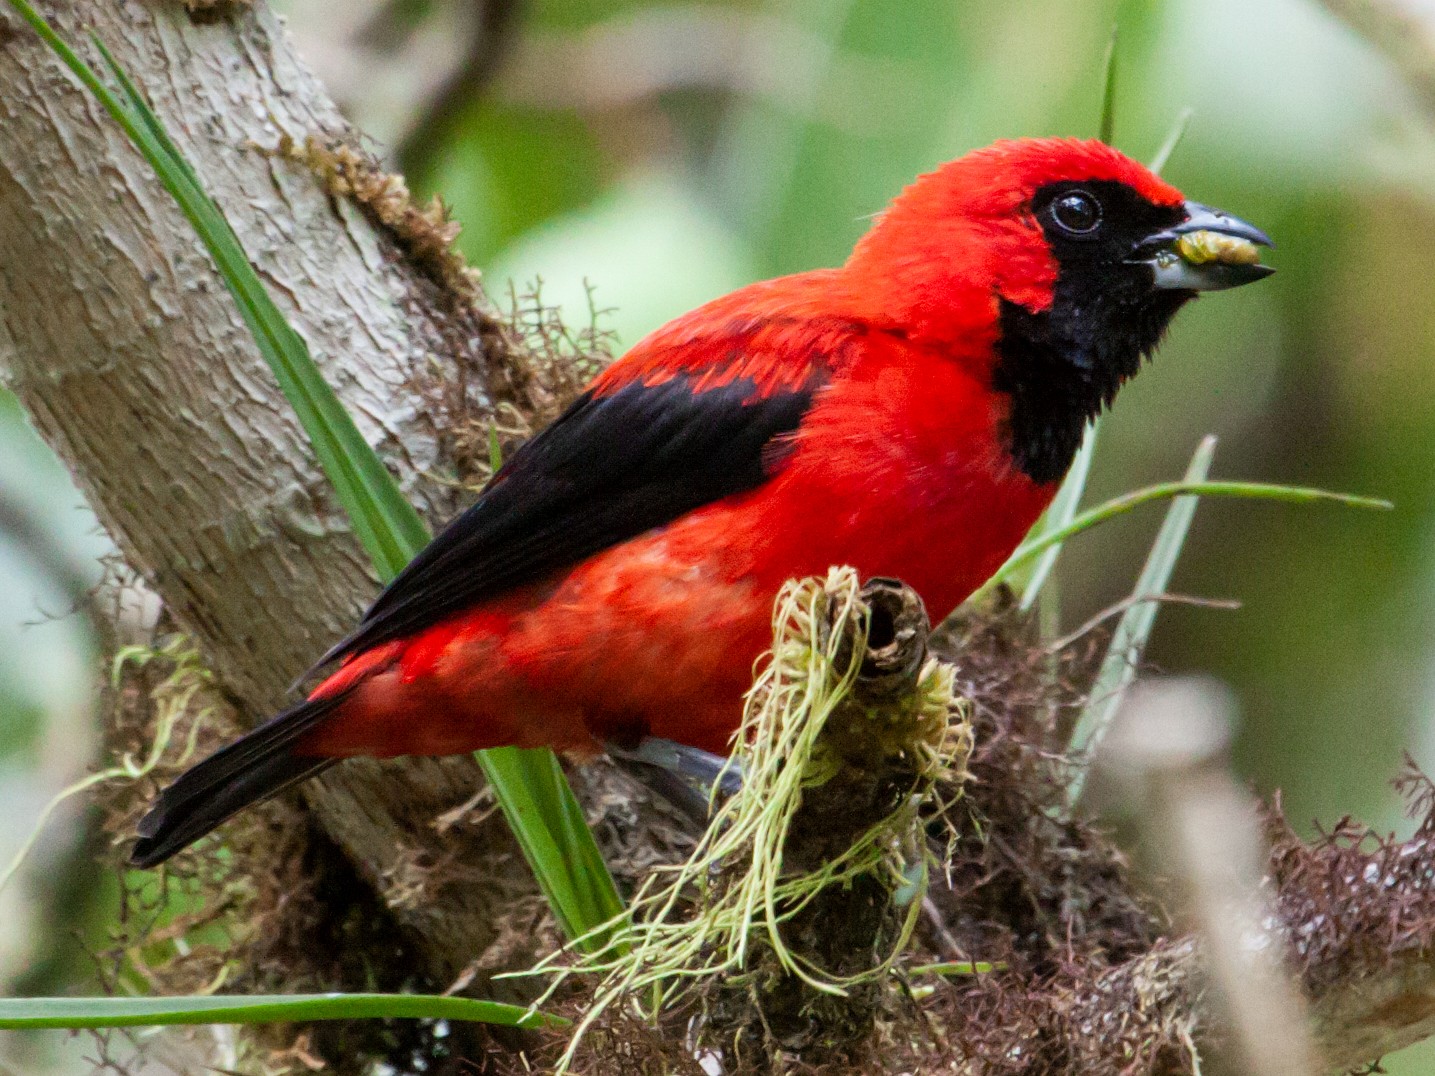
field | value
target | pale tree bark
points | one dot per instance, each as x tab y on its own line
124	346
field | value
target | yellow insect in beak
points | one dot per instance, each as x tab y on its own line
1204	246
1208	251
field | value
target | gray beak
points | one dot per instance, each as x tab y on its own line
1208	251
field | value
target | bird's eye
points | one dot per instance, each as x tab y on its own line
1076	212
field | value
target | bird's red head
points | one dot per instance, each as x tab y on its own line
1054	266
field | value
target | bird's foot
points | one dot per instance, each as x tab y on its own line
685	776
695	764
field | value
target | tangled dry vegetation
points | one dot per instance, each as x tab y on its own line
1079	969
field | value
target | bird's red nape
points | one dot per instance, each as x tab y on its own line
908	414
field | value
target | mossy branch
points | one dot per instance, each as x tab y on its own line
786	923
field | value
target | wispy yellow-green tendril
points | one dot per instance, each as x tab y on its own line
735	883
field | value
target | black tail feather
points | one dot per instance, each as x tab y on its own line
253	768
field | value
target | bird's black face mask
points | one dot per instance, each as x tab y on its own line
1125	265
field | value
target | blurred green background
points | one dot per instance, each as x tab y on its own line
664	153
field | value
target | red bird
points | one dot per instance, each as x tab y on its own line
909	414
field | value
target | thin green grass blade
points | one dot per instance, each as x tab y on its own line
551	829
143	113
604	901
1117	506
1106	129
1168	147
1128	642
563	856
32	1013
1060	514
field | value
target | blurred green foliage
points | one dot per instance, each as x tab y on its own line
735	139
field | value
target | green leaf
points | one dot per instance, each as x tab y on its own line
27	1013
1106	130
1262	491
551	830
495	450
1168	147
534	794
1128	642
1060	514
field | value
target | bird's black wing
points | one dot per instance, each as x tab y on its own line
611	467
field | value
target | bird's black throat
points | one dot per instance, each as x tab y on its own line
1063	364
1060	370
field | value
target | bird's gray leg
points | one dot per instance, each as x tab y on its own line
682	775
702	767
